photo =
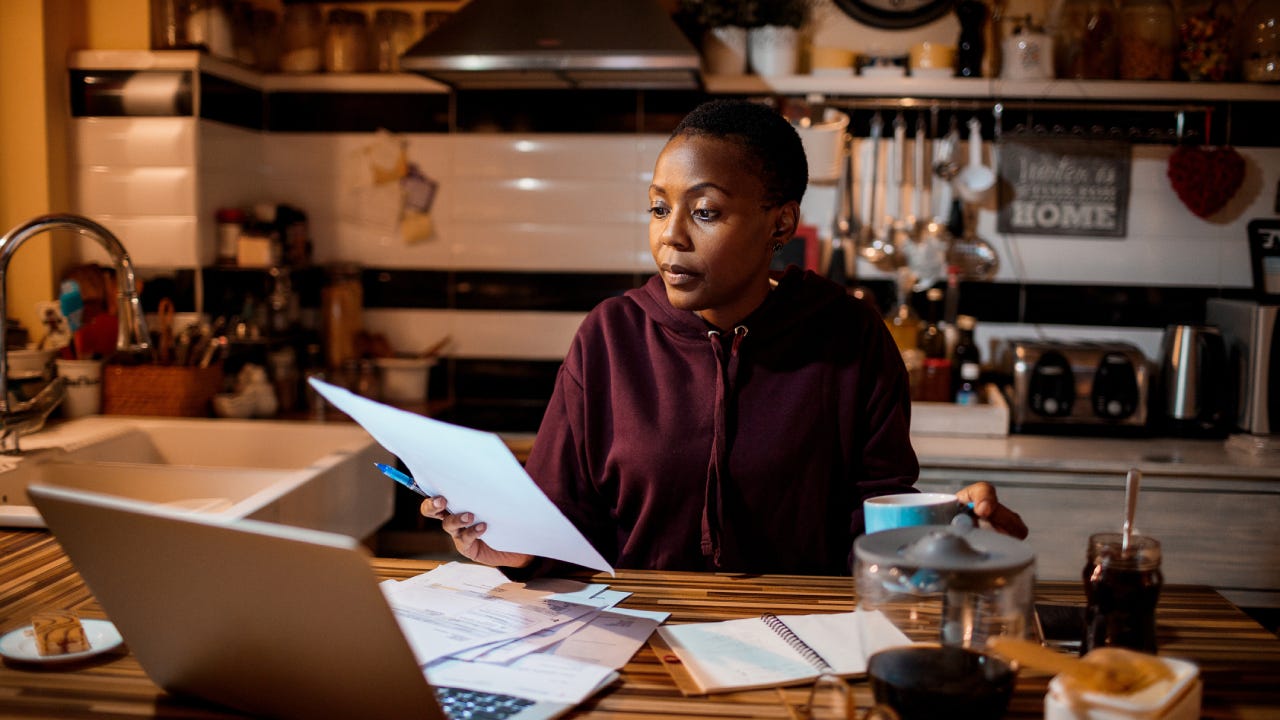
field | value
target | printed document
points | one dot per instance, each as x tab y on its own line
477	473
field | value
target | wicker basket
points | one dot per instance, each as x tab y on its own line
167	390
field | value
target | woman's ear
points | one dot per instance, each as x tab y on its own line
785	222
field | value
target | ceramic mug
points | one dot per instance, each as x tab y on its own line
909	509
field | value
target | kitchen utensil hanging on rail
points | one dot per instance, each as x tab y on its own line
874	244
844	228
925	249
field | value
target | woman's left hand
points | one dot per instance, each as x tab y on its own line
985	505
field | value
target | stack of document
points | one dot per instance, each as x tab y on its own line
550	639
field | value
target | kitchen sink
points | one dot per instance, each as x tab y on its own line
311	475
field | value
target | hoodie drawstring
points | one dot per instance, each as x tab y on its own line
718	466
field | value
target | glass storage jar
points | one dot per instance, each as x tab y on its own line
1084	44
1147	40
301	34
393	33
346	42
1258	42
1204	40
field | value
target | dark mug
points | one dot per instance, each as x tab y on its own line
925	682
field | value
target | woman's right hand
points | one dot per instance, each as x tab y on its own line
466	533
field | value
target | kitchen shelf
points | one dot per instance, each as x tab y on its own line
991	88
853	86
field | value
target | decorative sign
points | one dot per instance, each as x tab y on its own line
1063	186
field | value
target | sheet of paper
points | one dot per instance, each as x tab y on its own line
477	473
518	648
537	677
440	623
609	639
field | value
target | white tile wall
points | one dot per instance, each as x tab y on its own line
564	203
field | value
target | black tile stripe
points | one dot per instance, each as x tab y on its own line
100	93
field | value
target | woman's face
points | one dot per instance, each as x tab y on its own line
711	230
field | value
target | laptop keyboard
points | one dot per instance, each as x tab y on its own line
461	704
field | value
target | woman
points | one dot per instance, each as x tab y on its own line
716	418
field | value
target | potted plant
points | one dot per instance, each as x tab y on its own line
723	25
773	40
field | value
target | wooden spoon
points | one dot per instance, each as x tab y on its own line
1115	671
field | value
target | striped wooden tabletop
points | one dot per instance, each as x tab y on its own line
1239	659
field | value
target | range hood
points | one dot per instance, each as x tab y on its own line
540	44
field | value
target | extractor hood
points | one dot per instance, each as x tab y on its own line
537	44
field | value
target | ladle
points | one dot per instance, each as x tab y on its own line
875	244
976	178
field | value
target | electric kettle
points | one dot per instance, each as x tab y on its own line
1192	382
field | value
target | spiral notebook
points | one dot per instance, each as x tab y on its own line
771	650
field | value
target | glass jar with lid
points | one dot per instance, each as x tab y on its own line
1204	40
1085	43
346	42
393	33
301	35
1147	40
1258	42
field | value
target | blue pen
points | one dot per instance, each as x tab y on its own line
400	477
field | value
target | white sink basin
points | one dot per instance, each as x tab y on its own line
294	473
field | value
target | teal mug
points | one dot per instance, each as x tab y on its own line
909	509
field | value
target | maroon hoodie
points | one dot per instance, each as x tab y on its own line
675	447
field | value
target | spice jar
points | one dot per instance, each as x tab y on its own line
1259	42
346	42
393	33
1147	40
301	35
1084	45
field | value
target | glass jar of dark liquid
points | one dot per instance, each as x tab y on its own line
1122	588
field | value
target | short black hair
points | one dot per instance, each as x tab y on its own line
766	137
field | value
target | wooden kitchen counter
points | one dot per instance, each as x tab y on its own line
1239	660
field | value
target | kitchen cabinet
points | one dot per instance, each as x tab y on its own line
1212	510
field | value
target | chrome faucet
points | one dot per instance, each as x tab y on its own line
21	417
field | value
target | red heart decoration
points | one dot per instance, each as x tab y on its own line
1206	179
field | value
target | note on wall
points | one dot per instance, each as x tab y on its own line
1054	185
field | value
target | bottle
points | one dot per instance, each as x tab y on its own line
965	360
967	390
1147	40
950	309
932	340
1084	44
341	303
315	369
903	321
971	46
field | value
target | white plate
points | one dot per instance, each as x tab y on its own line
20	644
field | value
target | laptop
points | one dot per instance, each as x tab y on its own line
272	620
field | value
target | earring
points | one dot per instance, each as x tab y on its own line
777	247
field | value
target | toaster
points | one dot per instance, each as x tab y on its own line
1075	387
